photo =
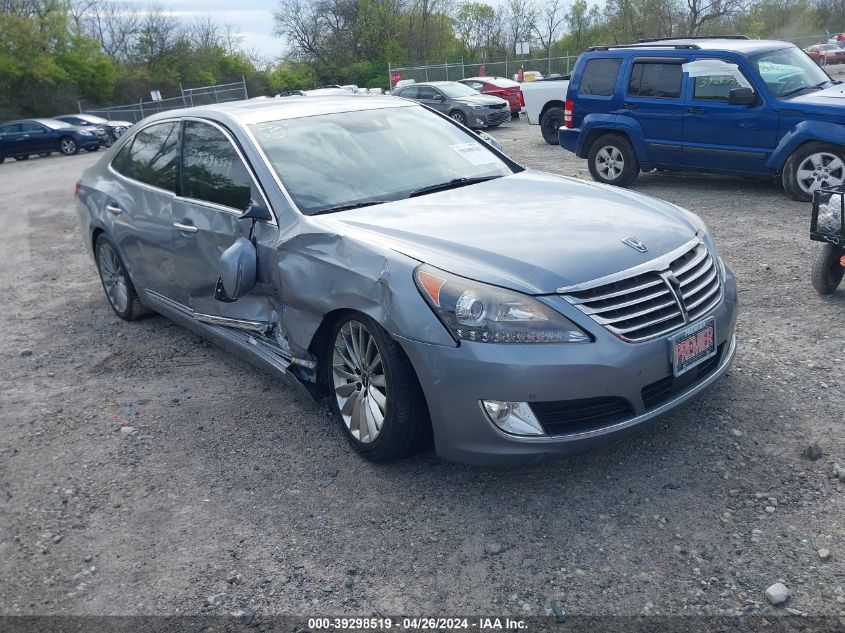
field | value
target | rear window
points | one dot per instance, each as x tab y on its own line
599	77
650	79
503	83
152	156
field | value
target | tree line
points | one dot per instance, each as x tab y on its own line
56	53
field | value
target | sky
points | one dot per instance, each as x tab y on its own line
253	19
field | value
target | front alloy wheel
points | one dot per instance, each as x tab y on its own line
68	147
813	166
612	160
374	390
822	169
360	385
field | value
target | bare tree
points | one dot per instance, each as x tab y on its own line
115	25
551	17
703	11
520	20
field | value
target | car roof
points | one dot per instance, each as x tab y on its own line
742	46
249	112
436	83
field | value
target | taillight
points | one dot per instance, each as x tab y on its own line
567	113
521	99
77	190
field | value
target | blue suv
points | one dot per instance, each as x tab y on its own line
728	105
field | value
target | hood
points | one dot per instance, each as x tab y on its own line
119	124
480	99
830	97
532	232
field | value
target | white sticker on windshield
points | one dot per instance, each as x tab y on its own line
715	67
474	153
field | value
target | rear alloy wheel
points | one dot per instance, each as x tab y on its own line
68	146
812	166
116	283
550	122
612	161
45	154
25	157
374	390
458	116
827	269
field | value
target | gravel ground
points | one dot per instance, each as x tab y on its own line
229	493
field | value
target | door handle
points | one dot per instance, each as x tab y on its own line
629	106
695	110
113	209
185	228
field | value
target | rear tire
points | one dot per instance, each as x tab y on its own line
117	285
22	157
827	270
550	121
612	161
93	149
806	161
369	377
45	154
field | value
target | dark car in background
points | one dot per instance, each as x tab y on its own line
21	139
500	87
110	131
462	103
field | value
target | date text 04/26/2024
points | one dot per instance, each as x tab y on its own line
417	624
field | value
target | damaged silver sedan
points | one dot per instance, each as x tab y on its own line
374	251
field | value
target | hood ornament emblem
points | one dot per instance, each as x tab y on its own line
636	244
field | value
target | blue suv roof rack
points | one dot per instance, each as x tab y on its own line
693	37
615	46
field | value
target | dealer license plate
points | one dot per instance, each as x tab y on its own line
693	345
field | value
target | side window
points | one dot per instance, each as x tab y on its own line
152	156
656	80
426	92
476	85
11	128
409	93
713	79
211	168
599	77
32	128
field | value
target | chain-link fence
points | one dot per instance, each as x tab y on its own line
452	71
205	95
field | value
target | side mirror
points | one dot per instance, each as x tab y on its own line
742	96
256	212
238	268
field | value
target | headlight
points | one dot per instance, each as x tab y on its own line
85	133
477	107
481	313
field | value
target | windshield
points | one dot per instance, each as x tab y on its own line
788	71
454	90
349	158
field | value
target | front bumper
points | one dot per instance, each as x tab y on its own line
485	118
455	379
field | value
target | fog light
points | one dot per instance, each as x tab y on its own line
515	418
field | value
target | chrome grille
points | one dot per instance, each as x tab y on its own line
654	302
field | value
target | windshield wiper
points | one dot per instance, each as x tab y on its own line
792	92
452	184
351	205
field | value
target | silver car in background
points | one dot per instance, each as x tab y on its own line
465	105
377	252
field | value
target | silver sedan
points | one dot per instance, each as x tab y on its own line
378	253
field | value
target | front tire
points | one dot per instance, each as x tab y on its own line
812	166
374	390
458	116
68	146
827	269
551	120
612	161
119	290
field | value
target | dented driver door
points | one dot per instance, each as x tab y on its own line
216	188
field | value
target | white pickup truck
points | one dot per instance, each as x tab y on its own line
544	102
